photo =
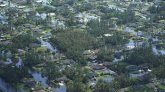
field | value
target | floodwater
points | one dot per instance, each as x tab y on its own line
39	78
5	87
48	45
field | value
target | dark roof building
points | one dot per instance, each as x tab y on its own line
98	67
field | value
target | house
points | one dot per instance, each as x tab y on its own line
3	19
98	67
43	16
87	52
57	24
144	67
114	7
86	17
140	33
32	45
64	79
90	54
2	62
19	64
107	63
2	38
107	78
20	1
91	75
7	42
130	30
141	76
51	14
130	45
8	54
107	72
2	4
42	1
28	25
9	61
30	84
92	84
118	55
108	35
36	30
93	57
132	68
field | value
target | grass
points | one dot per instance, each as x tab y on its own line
135	72
39	69
104	76
162	87
143	88
41	49
99	72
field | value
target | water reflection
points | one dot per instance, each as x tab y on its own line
157	52
62	88
48	45
20	63
9	61
5	87
39	78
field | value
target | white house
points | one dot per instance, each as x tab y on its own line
86	17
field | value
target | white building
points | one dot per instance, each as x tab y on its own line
86	17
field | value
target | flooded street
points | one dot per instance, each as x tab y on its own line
39	78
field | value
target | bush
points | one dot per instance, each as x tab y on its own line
22	40
105	55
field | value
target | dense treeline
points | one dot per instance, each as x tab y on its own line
98	28
144	56
73	43
157	11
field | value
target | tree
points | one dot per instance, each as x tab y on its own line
22	40
123	81
53	71
159	72
32	58
105	55
119	68
98	28
103	86
76	85
13	75
73	43
116	39
142	56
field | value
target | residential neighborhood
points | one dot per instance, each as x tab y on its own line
82	46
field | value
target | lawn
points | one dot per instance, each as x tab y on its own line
161	87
